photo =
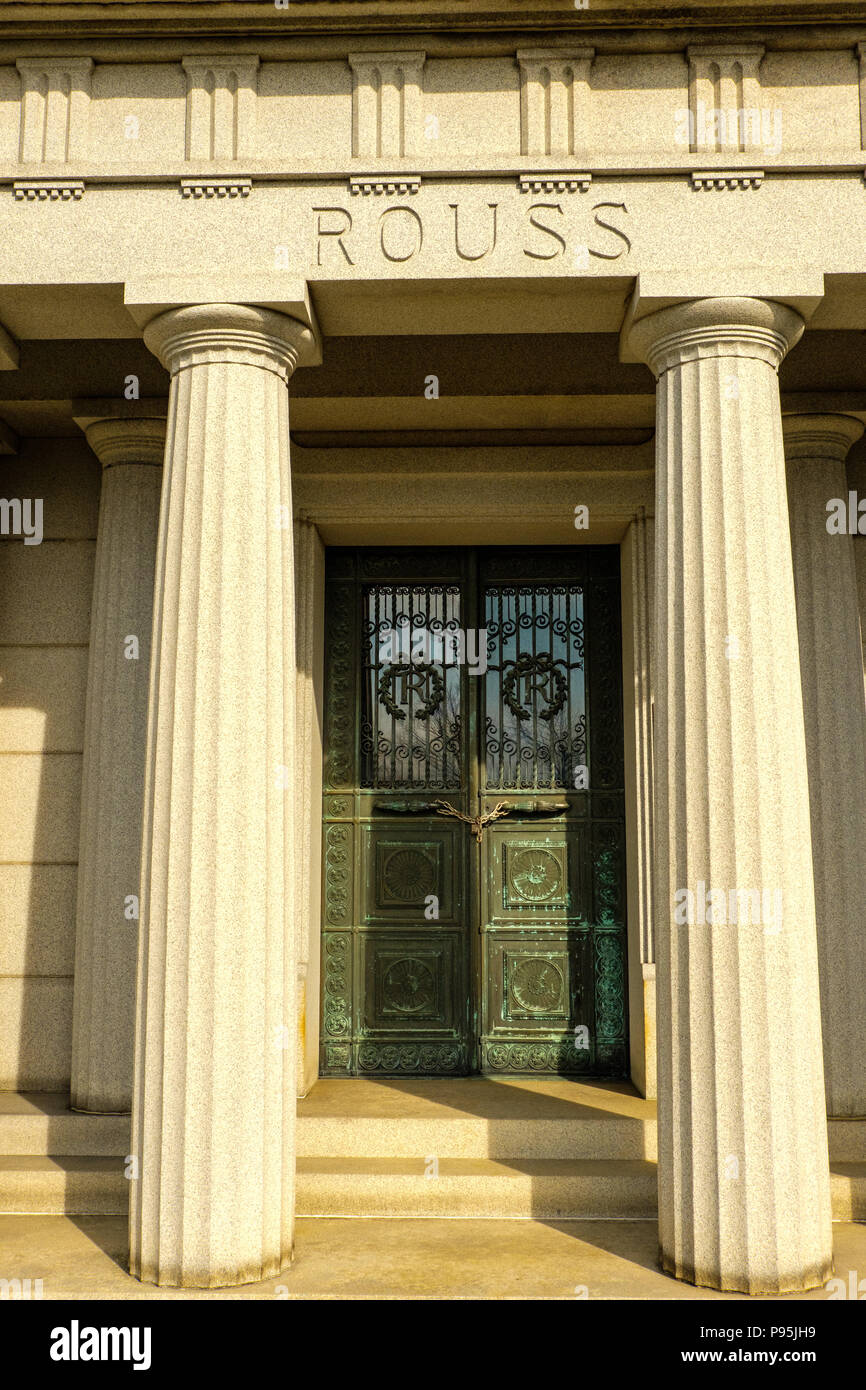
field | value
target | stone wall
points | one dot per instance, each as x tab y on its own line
45	593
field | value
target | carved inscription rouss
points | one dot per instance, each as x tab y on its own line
471	234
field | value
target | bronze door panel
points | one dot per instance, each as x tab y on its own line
473	914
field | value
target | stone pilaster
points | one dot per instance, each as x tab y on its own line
831	670
386	103
554	100
55	102
637	627
861	55
856	478
743	1169
220	106
725	97
109	859
309	645
213	1107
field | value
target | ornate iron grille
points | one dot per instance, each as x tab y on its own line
535	693
411	686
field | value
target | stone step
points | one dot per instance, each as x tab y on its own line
446	1119
347	1119
476	1188
468	1137
66	1185
40	1122
848	1191
540	1189
476	1118
847	1140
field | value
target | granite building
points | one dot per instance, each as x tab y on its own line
431	672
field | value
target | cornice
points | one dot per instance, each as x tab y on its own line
476	19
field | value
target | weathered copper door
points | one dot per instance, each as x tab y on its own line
473	905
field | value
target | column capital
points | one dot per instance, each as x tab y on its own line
704	328
240	334
119	439
820	436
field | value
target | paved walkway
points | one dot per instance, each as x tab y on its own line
84	1257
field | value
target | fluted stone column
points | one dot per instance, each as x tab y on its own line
743	1169
109	860
214	1102
831	669
309	644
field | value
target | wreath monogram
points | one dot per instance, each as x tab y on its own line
528	665
435	686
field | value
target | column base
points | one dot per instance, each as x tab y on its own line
802	1282
91	1110
215	1279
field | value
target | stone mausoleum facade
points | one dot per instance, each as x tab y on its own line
430	636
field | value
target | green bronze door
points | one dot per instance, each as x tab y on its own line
473	904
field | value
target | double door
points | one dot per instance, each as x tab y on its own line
473	874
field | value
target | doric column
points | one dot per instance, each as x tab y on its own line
309	644
213	1107
831	669
109	859
743	1170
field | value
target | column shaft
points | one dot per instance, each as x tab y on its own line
213	1113
743	1170
835	719
109	860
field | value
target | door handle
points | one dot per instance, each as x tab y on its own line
476	824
